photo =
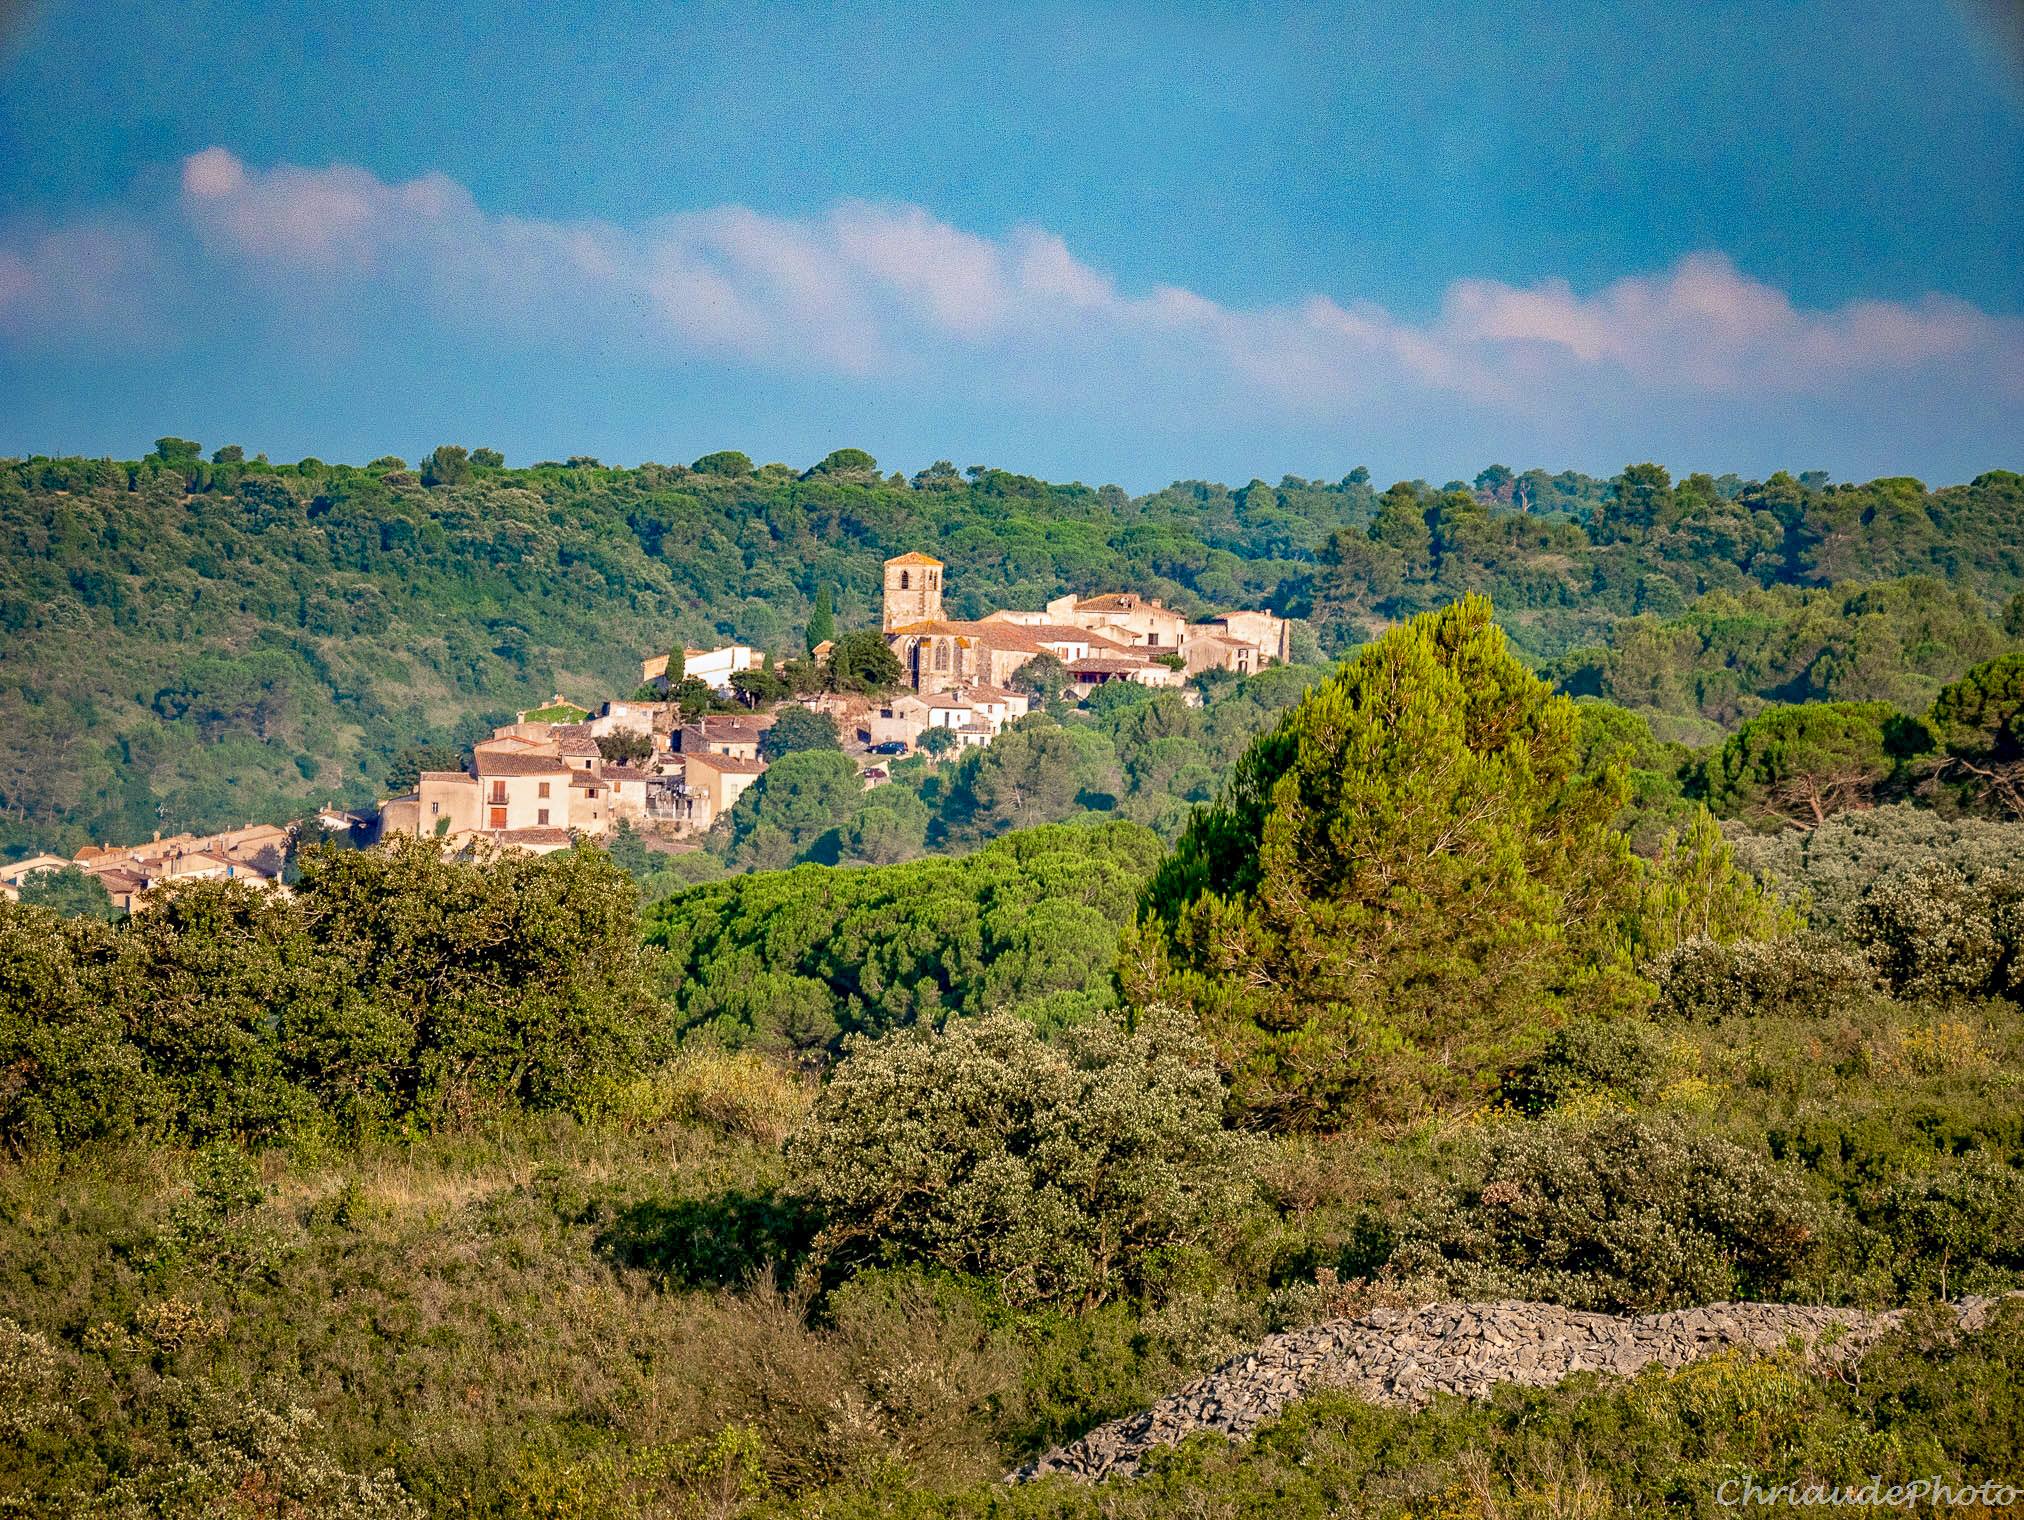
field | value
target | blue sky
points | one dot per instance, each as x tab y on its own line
1126	243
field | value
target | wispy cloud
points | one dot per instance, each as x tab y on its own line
866	291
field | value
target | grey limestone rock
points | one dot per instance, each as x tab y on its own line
1402	1357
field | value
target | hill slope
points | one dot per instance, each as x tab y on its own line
191	644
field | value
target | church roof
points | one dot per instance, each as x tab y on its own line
913	557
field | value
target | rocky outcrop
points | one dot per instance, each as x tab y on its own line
1403	1357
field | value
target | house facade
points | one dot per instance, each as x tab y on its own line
714	783
713	667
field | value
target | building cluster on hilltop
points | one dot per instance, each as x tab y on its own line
543	781
536	785
255	854
1117	636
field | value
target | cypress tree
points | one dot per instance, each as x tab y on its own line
821	621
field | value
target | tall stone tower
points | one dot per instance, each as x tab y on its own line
913	590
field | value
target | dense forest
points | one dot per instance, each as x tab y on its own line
194	641
453	1188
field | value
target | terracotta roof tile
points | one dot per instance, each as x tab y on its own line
509	764
1108	665
532	836
730	765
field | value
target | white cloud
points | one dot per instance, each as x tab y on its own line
868	290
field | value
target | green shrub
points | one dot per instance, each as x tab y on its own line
1934	931
392	983
1809	976
67	1071
1623	1213
1624	1058
113	1439
1064	1173
1957	1229
221	1229
902	1373
1828	869
737	1091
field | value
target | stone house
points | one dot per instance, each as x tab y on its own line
904	718
1269	636
1088	674
733	734
713	667
714	783
1213	651
11	876
1124	617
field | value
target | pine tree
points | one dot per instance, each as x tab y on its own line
1406	884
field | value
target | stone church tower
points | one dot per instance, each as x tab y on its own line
913	590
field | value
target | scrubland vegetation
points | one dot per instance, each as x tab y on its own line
473	1190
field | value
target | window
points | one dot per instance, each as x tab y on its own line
941	655
498	793
541	790
1153	638
904	583
435	808
591	793
934	580
541	817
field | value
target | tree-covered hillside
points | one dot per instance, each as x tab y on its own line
189	642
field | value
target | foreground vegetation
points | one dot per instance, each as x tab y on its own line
459	1189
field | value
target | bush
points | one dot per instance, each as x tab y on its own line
1624	1058
1957	1229
123	1440
1625	1213
1702	981
222	1228
736	1091
391	983
1066	1174
903	1370
67	1071
1831	867
1932	931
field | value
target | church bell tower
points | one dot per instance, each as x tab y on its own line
913	590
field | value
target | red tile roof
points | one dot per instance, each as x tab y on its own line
1106	665
532	836
509	764
730	765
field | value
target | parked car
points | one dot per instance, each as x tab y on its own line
890	747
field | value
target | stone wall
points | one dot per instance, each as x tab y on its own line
1404	1357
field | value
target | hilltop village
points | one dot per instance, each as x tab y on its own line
653	762
536	784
